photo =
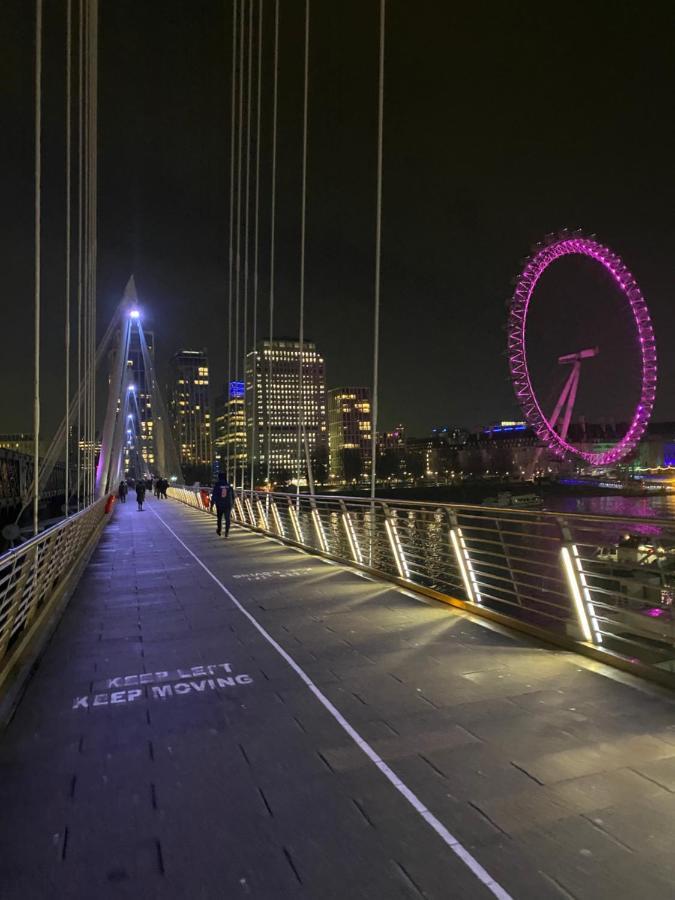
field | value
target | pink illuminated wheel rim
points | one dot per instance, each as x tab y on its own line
520	303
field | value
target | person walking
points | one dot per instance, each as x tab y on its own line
222	498
163	487
140	495
122	491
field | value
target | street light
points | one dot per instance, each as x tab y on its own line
135	314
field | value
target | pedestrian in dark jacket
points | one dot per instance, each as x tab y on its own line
140	494
122	491
163	486
222	498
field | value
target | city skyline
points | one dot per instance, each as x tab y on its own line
466	189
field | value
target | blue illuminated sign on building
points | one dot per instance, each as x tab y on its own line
236	389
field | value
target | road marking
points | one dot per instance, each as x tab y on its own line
450	840
163	684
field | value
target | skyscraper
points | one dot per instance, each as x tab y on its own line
275	407
190	413
349	433
230	432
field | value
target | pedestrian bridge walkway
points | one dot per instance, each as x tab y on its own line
224	719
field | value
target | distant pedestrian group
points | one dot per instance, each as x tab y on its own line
161	485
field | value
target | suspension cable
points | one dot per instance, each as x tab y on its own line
87	241
231	236
94	247
238	257
80	193
303	222
69	12
254	358
268	392
378	254
38	203
249	83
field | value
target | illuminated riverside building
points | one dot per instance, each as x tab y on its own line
230	432
23	443
349	433
273	369
189	408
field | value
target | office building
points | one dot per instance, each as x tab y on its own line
190	412
349	433
274	410
230	446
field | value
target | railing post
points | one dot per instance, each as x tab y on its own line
507	557
278	524
295	520
318	526
249	510
463	559
352	539
395	542
264	521
239	510
578	586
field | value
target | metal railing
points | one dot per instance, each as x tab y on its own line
603	582
32	575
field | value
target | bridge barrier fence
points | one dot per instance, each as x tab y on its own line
601	584
35	575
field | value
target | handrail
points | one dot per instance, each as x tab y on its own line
34	574
564	575
470	506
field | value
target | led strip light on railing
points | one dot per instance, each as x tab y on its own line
295	521
264	522
277	519
319	530
396	547
249	509
238	507
465	565
351	537
577	583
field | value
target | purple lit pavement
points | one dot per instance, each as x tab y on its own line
169	745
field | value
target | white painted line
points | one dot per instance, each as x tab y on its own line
457	848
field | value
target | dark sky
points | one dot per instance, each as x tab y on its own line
503	122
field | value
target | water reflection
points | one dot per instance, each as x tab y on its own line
659	506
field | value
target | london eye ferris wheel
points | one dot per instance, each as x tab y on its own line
551	424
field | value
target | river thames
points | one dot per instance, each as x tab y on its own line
656	506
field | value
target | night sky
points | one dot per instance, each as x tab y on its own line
503	122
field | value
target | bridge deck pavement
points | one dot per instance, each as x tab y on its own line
165	748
